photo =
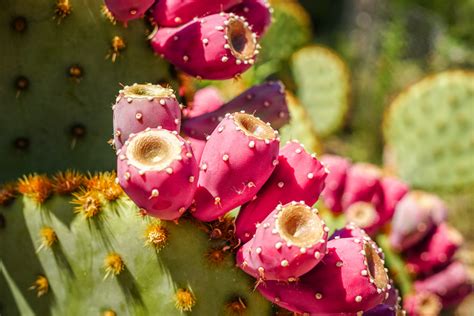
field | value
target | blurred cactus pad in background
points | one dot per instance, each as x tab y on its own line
388	85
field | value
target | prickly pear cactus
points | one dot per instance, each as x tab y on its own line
300	127
94	253
323	85
424	130
61	68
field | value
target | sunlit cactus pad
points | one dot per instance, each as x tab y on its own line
62	63
323	84
95	253
429	132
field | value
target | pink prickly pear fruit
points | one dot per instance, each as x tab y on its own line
140	106
267	101
299	176
287	244
350	279
393	190
335	181
257	12
237	160
197	146
415	216
451	284
157	170
173	13
422	304
365	216
205	100
218	46
435	250
362	184
389	307
351	230
126	10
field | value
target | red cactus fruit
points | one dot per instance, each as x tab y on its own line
287	244
422	304
393	190
415	216
237	160
435	250
351	230
157	170
299	176
451	284
257	12
140	106
389	307
218	46
350	279
177	12
335	181
267	101
205	100
126	10
362	185
364	215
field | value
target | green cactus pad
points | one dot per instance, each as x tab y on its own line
300	127
58	83
56	262
429	132
290	30
323	85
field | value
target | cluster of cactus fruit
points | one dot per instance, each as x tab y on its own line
206	39
418	231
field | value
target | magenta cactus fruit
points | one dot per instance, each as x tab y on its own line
257	12
299	176
267	101
157	170
435	250
415	216
173	13
197	146
218	46
205	100
362	184
126	10
451	284
422	304
350	279
393	190
389	307
238	158
365	216
287	244
140	106
335	181
351	230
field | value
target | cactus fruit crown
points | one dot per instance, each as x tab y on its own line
253	126
146	91
241	40
299	225
375	267
363	214
153	150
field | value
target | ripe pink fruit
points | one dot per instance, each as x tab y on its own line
422	304
350	279
205	100
288	243
335	181
177	12
416	215
238	158
257	12
452	284
298	176
157	170
198	147
267	101
218	46
362	184
351	230
389	307
364	215
140	106
126	10
435	250
393	190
